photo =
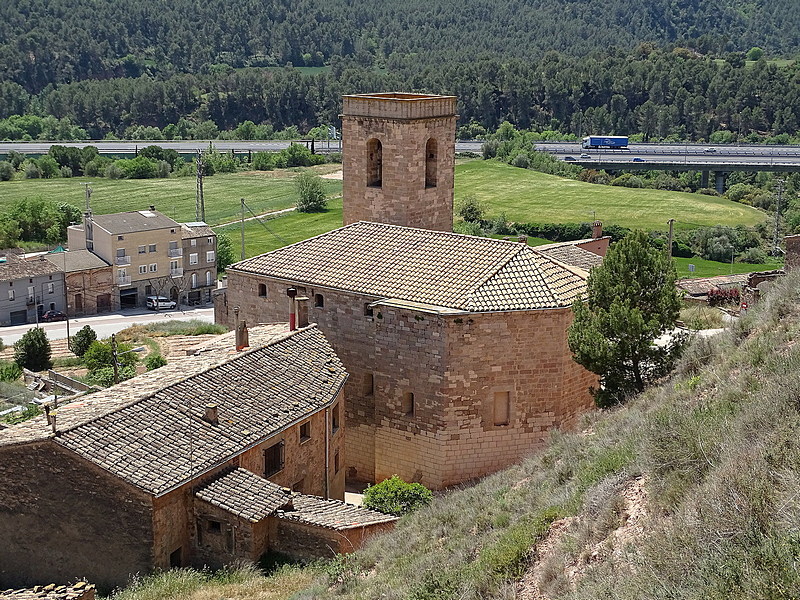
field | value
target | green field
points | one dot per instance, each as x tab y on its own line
175	197
281	231
529	196
710	268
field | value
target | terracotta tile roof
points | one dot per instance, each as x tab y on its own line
701	285
133	221
196	229
149	430
245	495
332	514
76	260
431	267
570	254
18	268
79	591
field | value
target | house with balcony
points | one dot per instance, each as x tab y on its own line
29	288
144	248
199	272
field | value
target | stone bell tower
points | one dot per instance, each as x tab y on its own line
398	159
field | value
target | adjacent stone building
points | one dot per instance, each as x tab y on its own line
193	463
30	287
456	345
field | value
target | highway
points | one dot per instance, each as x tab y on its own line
715	157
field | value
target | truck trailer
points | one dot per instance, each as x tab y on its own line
604	141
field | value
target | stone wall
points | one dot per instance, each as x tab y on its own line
62	518
407	194
309	542
792	252
452	365
223	539
91	291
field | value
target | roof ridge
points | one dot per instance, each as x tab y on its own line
208	369
495	270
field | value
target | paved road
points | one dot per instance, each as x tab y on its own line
107	324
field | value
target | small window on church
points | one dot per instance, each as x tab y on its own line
431	157
374	163
262	290
407	406
319	301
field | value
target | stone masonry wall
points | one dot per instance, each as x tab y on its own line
62	518
452	366
402	198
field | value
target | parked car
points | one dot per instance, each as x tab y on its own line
710	149
159	302
584	155
53	315
637	159
569	158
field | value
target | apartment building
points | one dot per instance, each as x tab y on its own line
146	251
199	243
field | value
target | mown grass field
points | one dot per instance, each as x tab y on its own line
529	196
269	234
263	191
710	268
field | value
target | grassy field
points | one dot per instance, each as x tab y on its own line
710	268
262	190
281	231
529	196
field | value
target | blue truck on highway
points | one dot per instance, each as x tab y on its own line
604	141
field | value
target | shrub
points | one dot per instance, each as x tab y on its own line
48	167
105	376
113	171
6	171
396	497
32	171
81	341
521	160
471	209
33	351
154	361
311	193
66	172
9	371
263	161
100	355
753	256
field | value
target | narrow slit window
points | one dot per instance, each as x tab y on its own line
374	163
431	158
407	406
319	301
369	384
262	290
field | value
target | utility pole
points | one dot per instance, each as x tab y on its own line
199	205
671	223
775	247
242	228
88	197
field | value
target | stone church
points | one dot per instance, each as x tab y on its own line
456	345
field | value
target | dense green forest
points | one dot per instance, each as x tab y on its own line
665	68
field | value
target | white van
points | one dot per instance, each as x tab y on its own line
159	302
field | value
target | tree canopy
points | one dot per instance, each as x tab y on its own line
630	301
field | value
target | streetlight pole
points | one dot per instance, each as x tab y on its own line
115	355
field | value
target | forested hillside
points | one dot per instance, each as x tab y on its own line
663	67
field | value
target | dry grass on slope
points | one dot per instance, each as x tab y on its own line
690	491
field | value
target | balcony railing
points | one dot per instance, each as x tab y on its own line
124	280
175	252
176	272
123	260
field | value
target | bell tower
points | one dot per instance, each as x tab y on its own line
398	159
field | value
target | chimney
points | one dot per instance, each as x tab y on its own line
243	336
597	229
51	417
152	207
302	311
292	293
523	239
212	414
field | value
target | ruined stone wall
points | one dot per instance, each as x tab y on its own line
309	542
223	539
792	252
62	518
416	184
